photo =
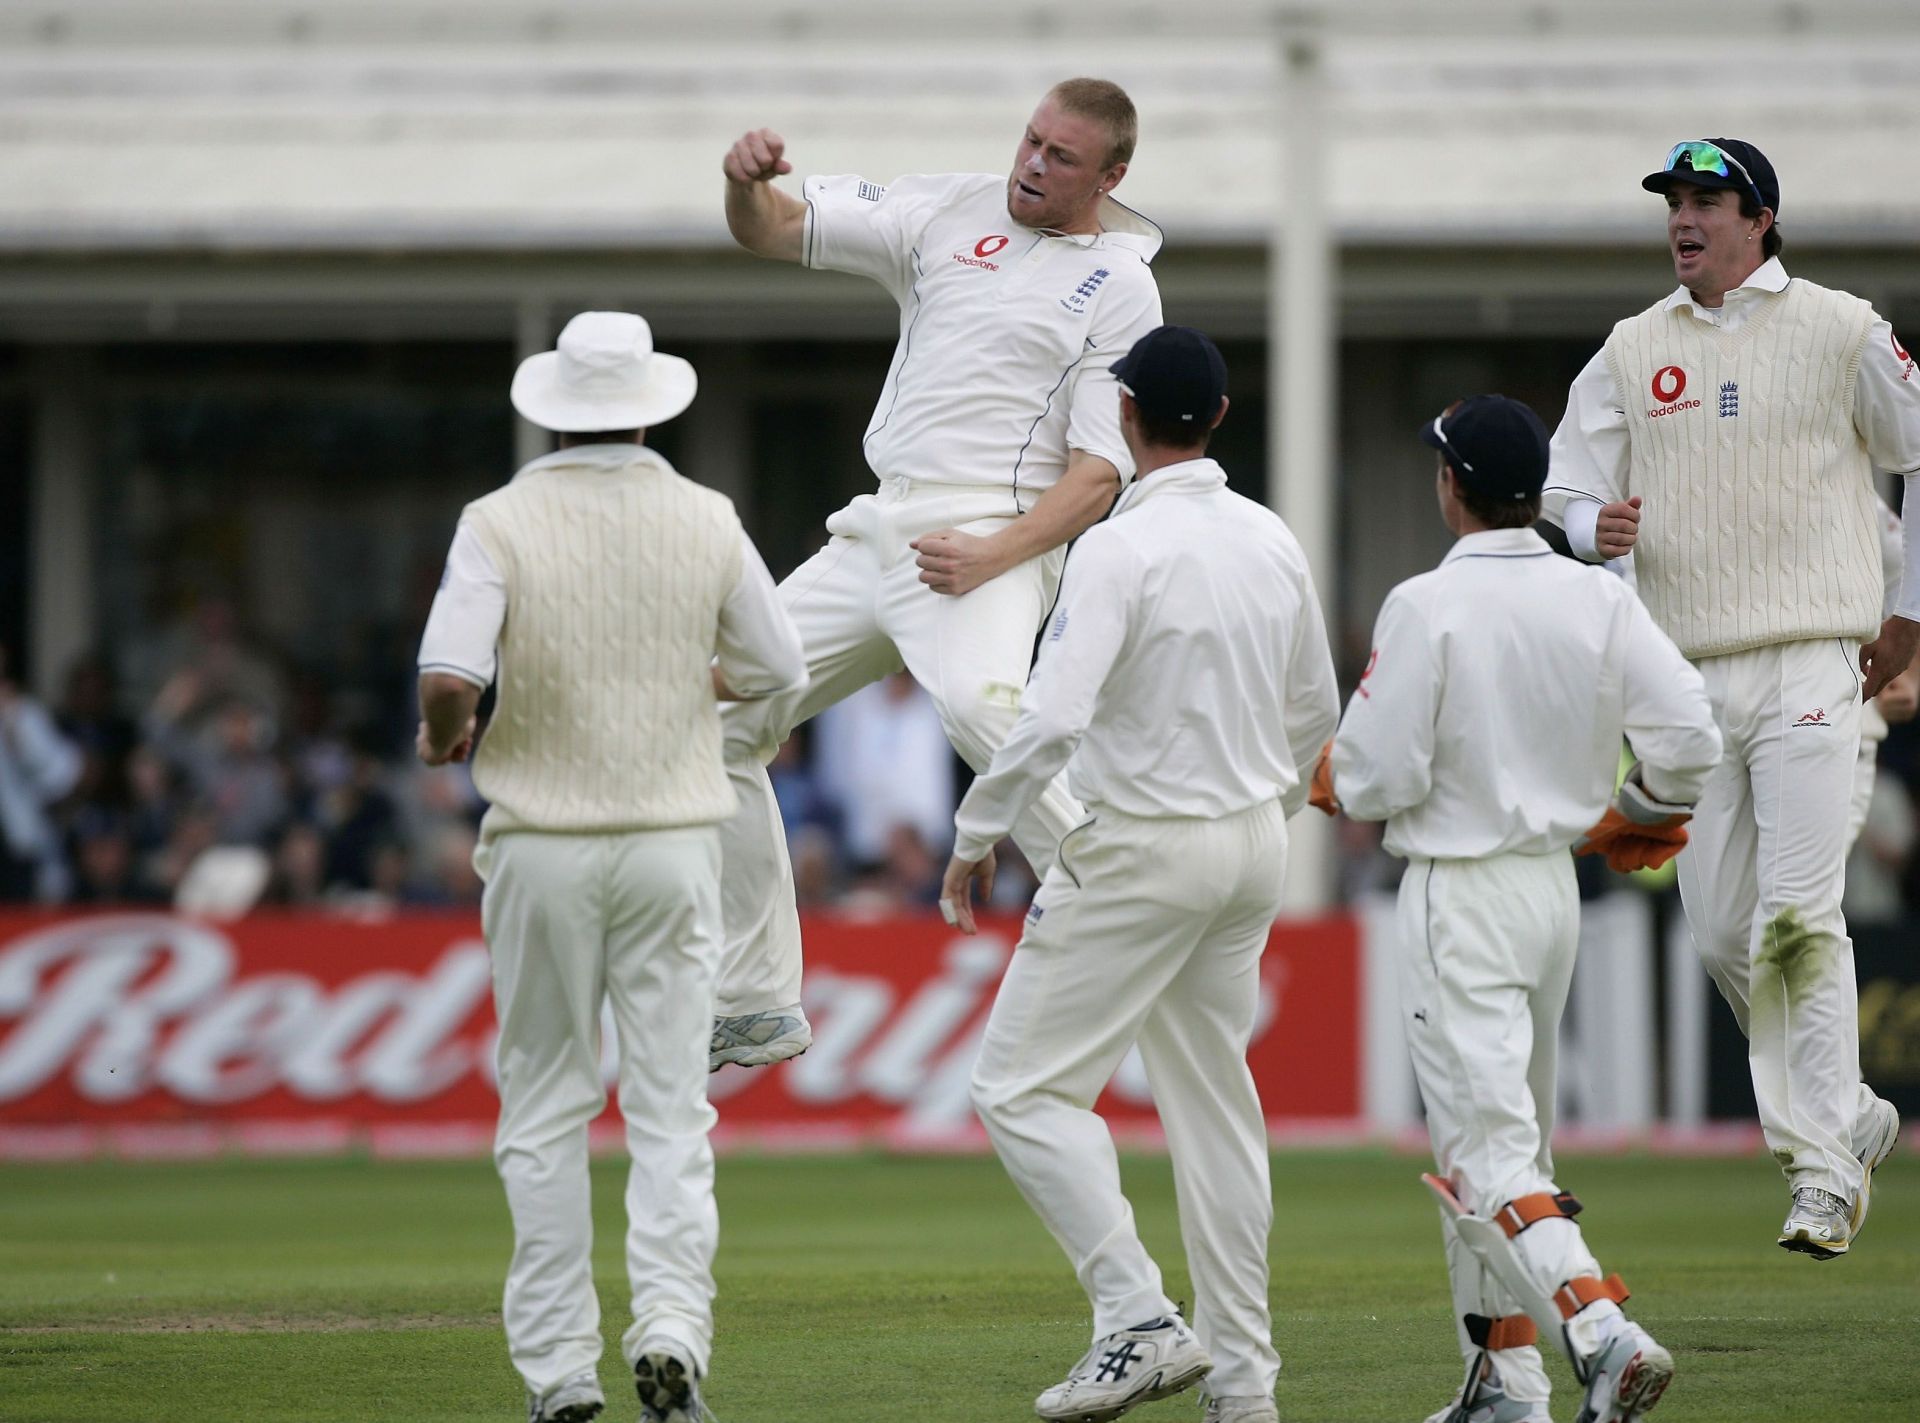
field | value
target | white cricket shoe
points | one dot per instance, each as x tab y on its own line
1626	1377
1156	1359
1246	1408
1874	1137
757	1039
574	1400
1820	1224
1483	1400
668	1384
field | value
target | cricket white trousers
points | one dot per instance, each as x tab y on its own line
1486	952
863	613
1147	931
1761	881
572	921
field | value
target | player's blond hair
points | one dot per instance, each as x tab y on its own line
1107	104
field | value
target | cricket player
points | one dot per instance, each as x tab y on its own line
1727	436
1185	684
610	601
1486	734
996	439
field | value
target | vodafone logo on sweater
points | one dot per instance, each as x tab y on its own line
1669	385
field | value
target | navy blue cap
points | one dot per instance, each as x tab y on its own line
1175	373
1765	185
1496	447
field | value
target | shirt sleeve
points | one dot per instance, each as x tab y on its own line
1667	717
1589	454
868	229
1383	752
1312	709
47	761
1082	643
758	649
463	629
1093	395
1886	412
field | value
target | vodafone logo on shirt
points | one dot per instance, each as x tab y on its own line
986	247
1900	355
1669	385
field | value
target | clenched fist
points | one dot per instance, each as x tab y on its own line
1617	528
756	157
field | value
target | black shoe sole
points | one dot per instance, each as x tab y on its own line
665	1385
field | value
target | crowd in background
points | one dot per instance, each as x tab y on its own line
205	773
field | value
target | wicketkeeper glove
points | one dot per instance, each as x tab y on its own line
1320	796
1637	832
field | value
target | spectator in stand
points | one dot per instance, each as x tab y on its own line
105	871
90	717
885	761
38	768
224	750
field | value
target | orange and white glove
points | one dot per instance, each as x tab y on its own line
1320	796
1637	832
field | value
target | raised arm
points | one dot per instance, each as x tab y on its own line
762	219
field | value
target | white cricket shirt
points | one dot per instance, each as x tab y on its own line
1006	332
1186	670
1490	715
759	651
1590	448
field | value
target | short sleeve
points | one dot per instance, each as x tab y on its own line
1093	411
869	229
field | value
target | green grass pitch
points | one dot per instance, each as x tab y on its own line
875	1288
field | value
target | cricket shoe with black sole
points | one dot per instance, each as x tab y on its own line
576	1400
1820	1224
1626	1377
668	1385
1874	1137
759	1039
1156	1359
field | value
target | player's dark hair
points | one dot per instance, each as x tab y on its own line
1500	513
1172	433
1107	104
1770	241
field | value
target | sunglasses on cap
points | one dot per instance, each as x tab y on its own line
1701	156
1453	456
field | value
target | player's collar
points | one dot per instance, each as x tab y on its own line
1187	477
607	456
1120	226
1769	277
1497	543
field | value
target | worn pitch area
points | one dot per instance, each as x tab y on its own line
873	1288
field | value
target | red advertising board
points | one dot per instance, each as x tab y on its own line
153	1034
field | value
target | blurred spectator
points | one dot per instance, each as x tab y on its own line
207	651
299	879
90	717
1886	844
106	869
361	822
885	762
225	753
38	767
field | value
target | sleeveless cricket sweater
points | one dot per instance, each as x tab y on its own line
605	719
1759	522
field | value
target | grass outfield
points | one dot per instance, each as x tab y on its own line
870	1288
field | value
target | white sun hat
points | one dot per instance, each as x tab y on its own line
605	375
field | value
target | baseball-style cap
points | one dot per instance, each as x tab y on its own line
1719	163
1496	447
1175	373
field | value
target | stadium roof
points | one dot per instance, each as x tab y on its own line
590	125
